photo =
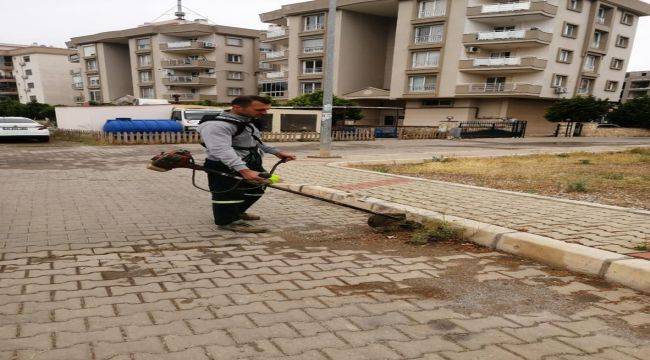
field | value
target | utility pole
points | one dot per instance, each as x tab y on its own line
328	91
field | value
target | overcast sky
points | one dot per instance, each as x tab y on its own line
53	22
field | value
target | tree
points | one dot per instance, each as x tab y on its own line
578	109
315	99
633	113
33	110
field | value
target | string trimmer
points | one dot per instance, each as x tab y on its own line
183	159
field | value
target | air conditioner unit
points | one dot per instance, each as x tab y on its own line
208	44
560	90
471	49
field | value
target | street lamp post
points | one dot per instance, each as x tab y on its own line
328	91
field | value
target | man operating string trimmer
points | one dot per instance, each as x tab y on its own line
233	145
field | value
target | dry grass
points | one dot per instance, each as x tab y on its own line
617	178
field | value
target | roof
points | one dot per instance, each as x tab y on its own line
165	28
27	50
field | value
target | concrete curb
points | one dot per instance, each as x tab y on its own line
622	269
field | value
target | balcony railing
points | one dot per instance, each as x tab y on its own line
7	77
517	62
601	20
276	75
312	49
78	86
275	94
498	35
313	71
314	27
275	54
276	32
492	8
497	61
188	63
189	80
428	39
265	66
187	46
423	88
537	10
499	88
485	38
190	97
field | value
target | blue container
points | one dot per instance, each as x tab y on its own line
144	125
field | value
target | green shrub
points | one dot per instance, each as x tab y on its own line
577	186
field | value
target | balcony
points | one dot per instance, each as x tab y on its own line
74	58
508	39
7	66
7	78
275	34
502	65
94	86
78	86
92	70
428	39
275	75
264	66
188	64
188	47
312	50
274	94
185	97
527	11
75	72
275	55
189	81
499	89
422	88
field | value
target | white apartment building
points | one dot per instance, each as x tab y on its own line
637	84
466	59
174	60
36	73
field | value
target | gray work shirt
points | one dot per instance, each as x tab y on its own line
219	140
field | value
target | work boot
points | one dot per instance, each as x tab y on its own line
249	217
241	226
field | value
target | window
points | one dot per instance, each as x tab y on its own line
32	98
28	72
585	86
559	80
234	91
233	41
627	19
147	92
274	89
425	59
89	51
565	56
144	60
600	17
234	58
145	76
95	95
570	30
30	85
91	65
598	37
26	58
309	87
235	75
617	64
622	41
422	83
428	34
432	8
314	22
312	66
575	5
591	63
312	46
611	86
93	81
438	103
143	44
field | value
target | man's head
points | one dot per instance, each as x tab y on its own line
251	106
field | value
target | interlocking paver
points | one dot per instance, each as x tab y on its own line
415	348
300	345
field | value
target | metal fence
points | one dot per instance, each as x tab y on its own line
492	129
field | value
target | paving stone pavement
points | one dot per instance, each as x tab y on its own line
102	259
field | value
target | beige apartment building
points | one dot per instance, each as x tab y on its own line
637	84
36	73
174	60
466	59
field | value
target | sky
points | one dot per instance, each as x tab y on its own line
53	22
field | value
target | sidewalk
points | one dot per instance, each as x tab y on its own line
603	238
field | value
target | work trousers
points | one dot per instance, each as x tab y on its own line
232	197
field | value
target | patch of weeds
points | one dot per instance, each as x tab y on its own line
435	231
641	247
577	186
585	161
563	155
613	176
381	169
640	151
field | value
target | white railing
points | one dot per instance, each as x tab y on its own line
437	8
273	93
276	75
179	44
265	66
276	32
428	39
509	34
600	20
183	96
497	61
312	49
276	54
492	87
182	78
492	8
314	27
422	88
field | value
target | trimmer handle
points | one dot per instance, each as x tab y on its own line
264	175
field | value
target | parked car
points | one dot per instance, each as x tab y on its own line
21	127
190	116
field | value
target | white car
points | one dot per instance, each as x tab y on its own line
190	117
21	127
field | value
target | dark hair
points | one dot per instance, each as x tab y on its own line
245	101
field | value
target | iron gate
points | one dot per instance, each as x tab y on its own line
493	129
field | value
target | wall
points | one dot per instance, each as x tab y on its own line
115	68
532	110
277	116
94	117
401	53
55	78
591	130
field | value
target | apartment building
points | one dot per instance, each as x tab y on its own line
35	73
466	59
637	84
177	60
